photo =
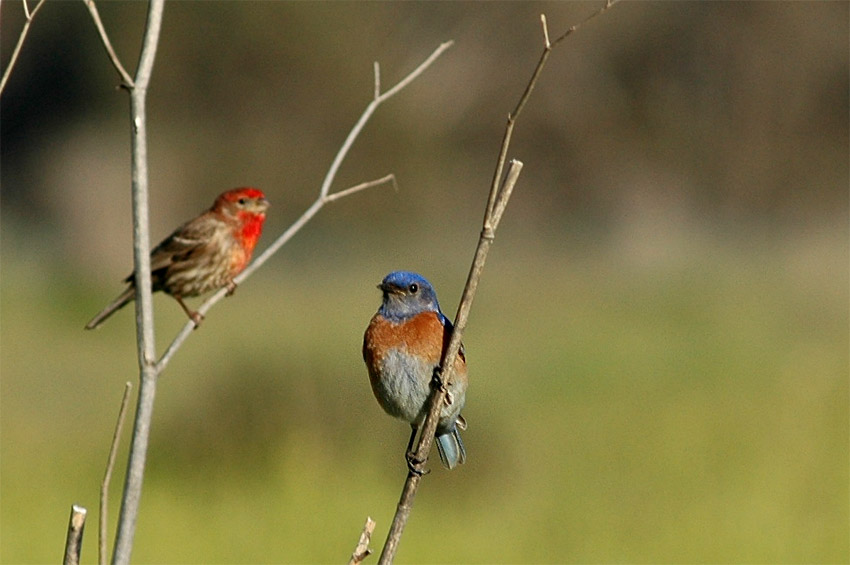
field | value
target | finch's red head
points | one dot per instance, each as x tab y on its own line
245	209
247	199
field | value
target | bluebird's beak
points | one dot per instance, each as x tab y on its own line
388	288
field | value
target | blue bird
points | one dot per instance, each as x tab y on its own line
402	346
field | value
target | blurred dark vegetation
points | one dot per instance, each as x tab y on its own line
659	349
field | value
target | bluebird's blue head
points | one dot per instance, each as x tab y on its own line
407	294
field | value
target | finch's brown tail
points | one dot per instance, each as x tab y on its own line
119	302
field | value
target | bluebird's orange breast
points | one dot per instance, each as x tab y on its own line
401	357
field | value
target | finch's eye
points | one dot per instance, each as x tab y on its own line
241	201
414	288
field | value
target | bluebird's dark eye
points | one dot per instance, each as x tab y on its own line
413	288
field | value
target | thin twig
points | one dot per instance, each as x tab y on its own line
14	58
146	345
362	550
575	27
416	72
103	554
390	178
500	192
127	81
74	541
323	198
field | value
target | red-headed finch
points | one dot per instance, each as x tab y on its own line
203	254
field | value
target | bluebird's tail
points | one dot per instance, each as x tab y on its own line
451	450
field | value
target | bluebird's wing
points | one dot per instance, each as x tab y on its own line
447	335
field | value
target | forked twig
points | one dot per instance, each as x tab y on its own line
500	192
324	197
127	80
29	15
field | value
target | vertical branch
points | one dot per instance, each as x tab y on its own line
144	308
500	192
74	541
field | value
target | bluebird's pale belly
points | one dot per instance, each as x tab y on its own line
403	385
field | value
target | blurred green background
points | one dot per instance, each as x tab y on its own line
659	347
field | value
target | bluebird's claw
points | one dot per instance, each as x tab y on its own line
437	378
414	465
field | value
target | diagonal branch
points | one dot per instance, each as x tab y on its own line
500	192
29	15
127	80
439	390
377	100
107	476
572	29
324	197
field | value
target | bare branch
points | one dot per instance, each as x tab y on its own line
14	58
146	345
439	388
74	541
370	109
127	81
500	192
362	550
324	198
107	477
362	186
416	72
574	28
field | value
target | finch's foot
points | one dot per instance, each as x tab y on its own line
194	315
197	318
231	288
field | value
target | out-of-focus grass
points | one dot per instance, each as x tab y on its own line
691	411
